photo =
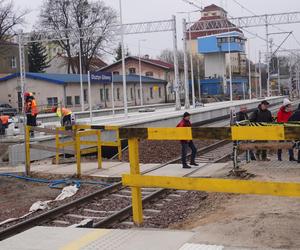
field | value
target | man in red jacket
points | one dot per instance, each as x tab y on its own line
283	116
185	122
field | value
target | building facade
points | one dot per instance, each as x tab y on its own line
9	58
149	68
209	14
53	89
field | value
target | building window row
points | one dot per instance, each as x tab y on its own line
132	71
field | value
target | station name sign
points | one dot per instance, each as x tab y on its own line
102	77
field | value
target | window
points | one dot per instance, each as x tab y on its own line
132	71
151	93
149	73
159	92
205	14
116	73
107	95
69	101
102	95
77	100
13	62
85	95
232	39
131	93
118	94
52	101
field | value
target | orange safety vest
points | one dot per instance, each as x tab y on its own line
4	119
31	107
63	112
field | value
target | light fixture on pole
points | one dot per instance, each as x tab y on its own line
140	72
123	62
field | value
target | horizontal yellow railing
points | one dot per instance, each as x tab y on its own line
257	132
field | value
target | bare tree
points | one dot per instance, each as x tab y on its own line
9	19
168	56
81	25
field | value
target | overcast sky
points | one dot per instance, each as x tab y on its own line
149	10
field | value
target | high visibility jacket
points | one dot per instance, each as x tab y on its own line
31	107
62	112
4	119
283	115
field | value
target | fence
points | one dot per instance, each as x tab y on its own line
261	133
61	147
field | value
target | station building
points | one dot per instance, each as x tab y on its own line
51	89
220	49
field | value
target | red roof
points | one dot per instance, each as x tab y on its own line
159	62
227	26
213	7
154	62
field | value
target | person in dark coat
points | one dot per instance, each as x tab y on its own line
262	114
185	122
242	114
241	117
295	117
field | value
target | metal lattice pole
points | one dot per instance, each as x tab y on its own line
186	73
192	66
176	67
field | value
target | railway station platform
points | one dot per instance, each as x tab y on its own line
49	238
112	171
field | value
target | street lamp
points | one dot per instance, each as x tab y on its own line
140	72
123	61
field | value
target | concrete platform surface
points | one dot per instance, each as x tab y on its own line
56	238
114	170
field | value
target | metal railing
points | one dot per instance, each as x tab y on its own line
258	133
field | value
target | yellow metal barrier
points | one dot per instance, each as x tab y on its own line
59	148
136	181
117	143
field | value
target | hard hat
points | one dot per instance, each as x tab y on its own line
286	102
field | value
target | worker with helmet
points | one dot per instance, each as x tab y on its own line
4	122
30	110
64	114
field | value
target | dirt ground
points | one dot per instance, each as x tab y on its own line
17	196
249	220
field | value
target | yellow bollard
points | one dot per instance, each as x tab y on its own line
99	149
119	145
57	146
77	153
137	206
27	149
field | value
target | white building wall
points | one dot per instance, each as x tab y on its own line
42	90
215	65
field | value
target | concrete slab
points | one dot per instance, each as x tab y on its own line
108	170
52	238
174	170
68	238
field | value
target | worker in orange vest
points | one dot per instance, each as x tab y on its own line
31	110
4	120
64	114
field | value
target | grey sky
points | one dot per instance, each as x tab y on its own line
148	10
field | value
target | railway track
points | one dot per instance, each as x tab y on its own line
111	205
